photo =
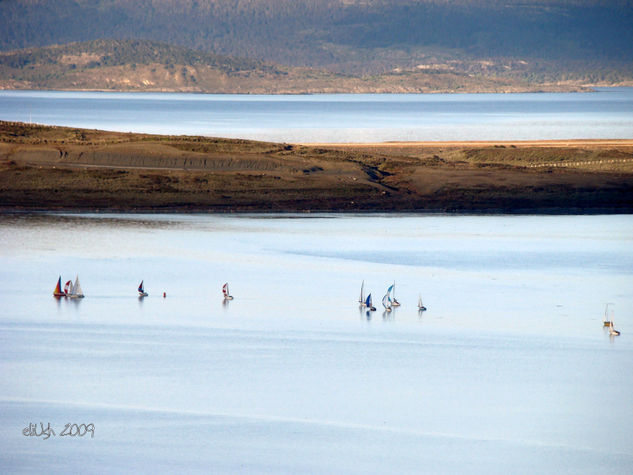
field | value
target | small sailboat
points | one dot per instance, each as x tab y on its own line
141	290
58	292
394	301
225	292
68	288
606	322
612	330
76	292
361	299
421	308
386	302
369	305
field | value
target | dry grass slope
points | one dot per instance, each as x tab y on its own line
77	169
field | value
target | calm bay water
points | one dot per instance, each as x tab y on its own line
509	367
607	113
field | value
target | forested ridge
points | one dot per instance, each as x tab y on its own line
350	36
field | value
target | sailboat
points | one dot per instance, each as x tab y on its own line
141	291
386	302
58	292
606	322
368	304
225	292
76	292
394	302
68	288
421	308
612	331
361	299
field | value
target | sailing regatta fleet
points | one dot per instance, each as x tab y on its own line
71	290
389	301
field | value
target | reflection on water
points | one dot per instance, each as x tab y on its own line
71	221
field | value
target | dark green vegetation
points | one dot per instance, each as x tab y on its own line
77	169
121	53
583	41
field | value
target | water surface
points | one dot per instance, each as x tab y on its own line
607	113
510	365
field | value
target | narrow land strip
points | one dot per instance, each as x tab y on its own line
58	168
484	143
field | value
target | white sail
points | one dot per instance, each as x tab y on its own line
77	292
361	299
386	301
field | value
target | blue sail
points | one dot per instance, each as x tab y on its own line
368	301
390	289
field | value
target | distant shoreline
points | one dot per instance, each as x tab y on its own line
478	143
9	211
532	89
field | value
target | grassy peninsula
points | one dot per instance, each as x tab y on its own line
58	168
